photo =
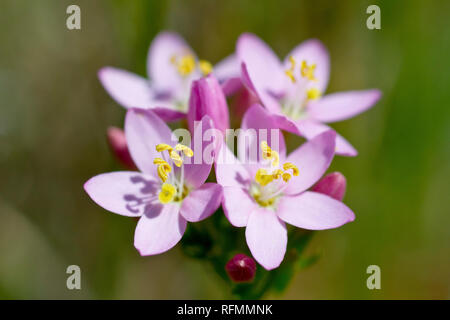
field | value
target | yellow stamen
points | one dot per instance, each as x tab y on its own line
186	65
286	177
205	67
186	150
176	158
307	71
162	147
269	154
163	169
277	174
313	94
167	193
294	168
263	177
290	72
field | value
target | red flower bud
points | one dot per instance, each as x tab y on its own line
333	185
118	144
241	268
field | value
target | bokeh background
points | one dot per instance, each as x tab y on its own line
54	114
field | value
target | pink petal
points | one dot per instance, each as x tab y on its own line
237	205
128	89
312	159
266	238
201	202
228	72
166	112
265	128
143	131
262	63
159	230
207	98
227	68
343	105
262	92
229	170
160	69
309	129
198	167
122	192
313	52
314	211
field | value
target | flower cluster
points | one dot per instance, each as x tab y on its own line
260	186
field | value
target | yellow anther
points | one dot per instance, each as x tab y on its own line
186	65
167	193
294	168
263	177
269	154
163	147
286	177
176	158
186	150
290	75
277	174
163	169
290	72
308	71
313	94
205	67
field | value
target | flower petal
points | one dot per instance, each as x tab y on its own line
227	68
122	192
312	159
159	230
314	211
160	69
166	113
201	202
266	238
229	170
128	89
237	205
343	105
313	52
198	167
309	129
262	63
143	131
228	72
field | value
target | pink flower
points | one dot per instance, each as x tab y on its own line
264	194
171	66
207	98
292	90
166	193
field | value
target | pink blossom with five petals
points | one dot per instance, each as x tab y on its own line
259	197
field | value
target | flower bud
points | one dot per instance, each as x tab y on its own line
241	268
333	185
207	98
118	144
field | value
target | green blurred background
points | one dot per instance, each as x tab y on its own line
54	114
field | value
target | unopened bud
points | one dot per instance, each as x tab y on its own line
241	268
333	185
207	98
118	144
